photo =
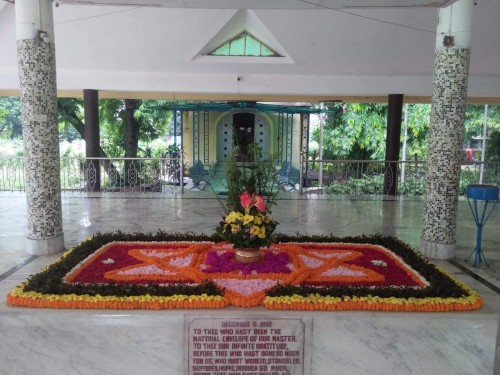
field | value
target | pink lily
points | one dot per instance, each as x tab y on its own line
246	200
260	203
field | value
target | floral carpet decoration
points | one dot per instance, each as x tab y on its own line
163	271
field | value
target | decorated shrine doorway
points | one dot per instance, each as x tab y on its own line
237	131
243	135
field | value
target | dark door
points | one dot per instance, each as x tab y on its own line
243	135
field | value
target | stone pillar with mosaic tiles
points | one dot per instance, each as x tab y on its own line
37	74
446	131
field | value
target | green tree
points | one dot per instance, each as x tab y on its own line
70	118
354	131
10	117
357	131
474	123
128	123
123	123
418	130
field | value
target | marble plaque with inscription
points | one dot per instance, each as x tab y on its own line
247	346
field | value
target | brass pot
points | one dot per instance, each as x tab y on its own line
248	255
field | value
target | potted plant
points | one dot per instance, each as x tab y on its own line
247	224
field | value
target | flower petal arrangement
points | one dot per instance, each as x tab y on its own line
248	225
167	271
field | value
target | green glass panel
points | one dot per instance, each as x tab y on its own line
221	51
237	46
265	51
244	44
253	46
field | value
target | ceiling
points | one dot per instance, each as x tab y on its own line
333	49
267	4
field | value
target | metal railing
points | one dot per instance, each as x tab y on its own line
102	174
158	174
374	177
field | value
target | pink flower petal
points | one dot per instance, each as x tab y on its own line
181	261
343	271
311	262
260	203
154	253
246	287
146	270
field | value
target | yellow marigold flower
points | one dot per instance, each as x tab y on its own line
257	220
247	219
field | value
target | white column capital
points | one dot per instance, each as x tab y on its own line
32	16
455	25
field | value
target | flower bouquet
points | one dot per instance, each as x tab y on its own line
248	227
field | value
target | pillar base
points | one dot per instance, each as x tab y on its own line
46	246
435	250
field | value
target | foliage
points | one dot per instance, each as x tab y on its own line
173	165
412	186
70	115
469	176
153	123
75	149
357	131
173	151
252	189
12	147
374	184
258	177
418	131
354	131
156	148
10	117
493	146
474	123
364	185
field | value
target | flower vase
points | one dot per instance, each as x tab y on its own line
248	255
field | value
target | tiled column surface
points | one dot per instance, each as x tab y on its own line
446	130
37	73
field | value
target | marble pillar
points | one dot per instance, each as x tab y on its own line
449	94
37	74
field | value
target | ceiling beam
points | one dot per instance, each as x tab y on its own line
242	97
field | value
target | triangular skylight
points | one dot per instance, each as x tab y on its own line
244	38
244	44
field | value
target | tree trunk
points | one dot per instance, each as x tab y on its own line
131	140
131	131
80	128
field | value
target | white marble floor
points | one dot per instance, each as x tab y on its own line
85	214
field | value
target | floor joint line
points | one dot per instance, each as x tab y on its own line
16	268
475	276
